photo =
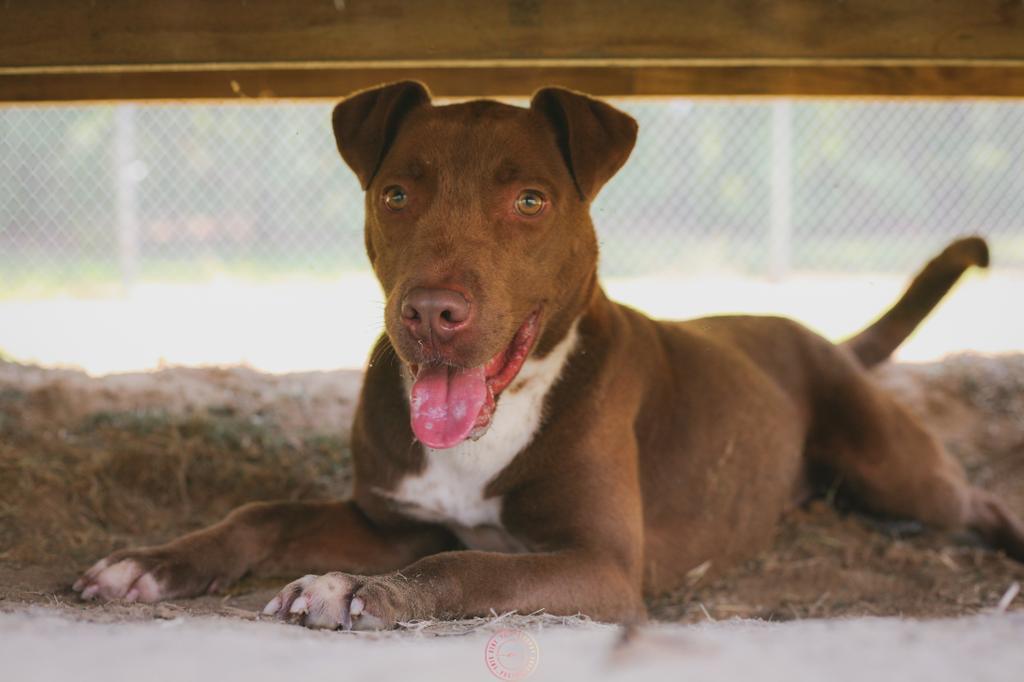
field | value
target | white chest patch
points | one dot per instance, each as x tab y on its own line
450	489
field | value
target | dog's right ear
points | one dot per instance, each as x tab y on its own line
365	124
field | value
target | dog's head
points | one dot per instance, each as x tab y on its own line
478	228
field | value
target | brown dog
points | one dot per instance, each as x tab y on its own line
524	443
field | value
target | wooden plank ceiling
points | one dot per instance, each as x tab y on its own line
74	50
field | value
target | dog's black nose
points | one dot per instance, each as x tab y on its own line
435	312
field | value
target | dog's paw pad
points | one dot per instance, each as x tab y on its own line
126	579
146	589
281	605
325	601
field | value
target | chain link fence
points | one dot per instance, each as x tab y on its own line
96	198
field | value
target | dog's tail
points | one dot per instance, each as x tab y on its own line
878	341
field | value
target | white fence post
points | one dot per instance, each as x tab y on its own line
781	224
129	174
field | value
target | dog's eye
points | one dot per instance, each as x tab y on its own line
395	198
529	203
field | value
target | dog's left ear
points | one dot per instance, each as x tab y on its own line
365	124
595	138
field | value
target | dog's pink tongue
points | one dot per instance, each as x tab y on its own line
445	403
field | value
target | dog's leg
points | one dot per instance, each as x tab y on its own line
586	557
895	467
278	538
466	583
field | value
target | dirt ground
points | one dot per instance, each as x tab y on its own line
90	465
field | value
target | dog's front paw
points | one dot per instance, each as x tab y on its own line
148	575
340	601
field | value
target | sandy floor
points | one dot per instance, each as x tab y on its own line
38	645
93	464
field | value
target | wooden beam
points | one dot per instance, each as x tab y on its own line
71	50
144	32
744	81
